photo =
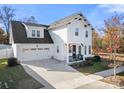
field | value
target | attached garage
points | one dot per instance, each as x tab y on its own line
34	52
30	41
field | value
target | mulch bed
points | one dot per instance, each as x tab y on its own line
111	80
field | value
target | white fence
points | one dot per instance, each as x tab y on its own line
3	46
6	53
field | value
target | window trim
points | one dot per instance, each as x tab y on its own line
33	33
38	33
86	34
79	49
77	31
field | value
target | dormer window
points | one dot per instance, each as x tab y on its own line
33	33
38	33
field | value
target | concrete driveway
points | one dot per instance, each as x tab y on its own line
54	74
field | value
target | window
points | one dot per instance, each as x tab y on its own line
77	32
46	48
40	48
85	50
89	49
57	49
33	33
79	49
38	33
33	48
70	49
86	34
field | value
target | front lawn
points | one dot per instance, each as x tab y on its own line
95	67
15	77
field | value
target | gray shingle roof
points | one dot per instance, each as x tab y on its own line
20	35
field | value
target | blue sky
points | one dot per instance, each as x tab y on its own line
48	13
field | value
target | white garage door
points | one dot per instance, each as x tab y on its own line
34	53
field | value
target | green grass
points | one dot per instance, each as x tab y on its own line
96	67
16	77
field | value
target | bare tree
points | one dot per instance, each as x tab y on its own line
6	14
30	19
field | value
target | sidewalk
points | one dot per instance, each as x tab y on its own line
110	72
97	85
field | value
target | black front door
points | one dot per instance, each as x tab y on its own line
74	52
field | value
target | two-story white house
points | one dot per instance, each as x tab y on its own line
68	39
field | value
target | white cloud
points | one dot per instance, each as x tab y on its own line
110	8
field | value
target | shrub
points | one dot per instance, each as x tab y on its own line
12	61
89	59
96	58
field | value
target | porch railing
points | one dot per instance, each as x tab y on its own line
75	58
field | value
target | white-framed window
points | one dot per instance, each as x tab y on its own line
38	33
33	33
86	34
76	31
79	49
70	49
89	49
85	50
40	48
57	49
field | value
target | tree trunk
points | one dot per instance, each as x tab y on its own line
114	63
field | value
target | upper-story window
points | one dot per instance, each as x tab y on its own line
38	33
77	32
86	34
33	33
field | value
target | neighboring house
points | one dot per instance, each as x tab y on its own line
68	39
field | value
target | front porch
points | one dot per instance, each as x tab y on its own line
75	53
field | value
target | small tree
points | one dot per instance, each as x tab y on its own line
113	37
